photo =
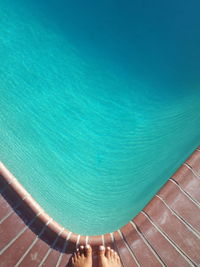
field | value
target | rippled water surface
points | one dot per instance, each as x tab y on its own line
99	103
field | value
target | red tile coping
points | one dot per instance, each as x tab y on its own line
140	242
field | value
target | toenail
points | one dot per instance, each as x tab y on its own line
82	247
101	248
108	247
87	246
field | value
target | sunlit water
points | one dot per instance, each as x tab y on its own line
99	103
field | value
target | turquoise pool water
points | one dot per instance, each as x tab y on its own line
99	103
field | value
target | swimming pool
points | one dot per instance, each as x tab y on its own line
97	112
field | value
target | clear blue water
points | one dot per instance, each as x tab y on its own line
99	103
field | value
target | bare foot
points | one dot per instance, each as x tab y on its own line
108	257
82	257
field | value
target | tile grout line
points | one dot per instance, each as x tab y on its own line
192	170
61	253
185	193
147	243
131	252
51	247
13	209
116	248
180	218
103	241
86	240
33	243
19	234
177	248
112	238
7	216
77	241
63	250
113	242
121	235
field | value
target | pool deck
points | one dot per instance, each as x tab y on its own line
165	233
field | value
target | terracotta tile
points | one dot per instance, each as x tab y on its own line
5	208
37	226
13	254
158	212
60	243
126	257
65	261
11	197
67	247
163	248
65	255
44	217
3	183
35	255
65	233
22	210
10	228
141	250
49	236
174	228
39	250
55	227
82	240
25	213
108	241
18	188
71	244
188	182
194	161
52	258
95	242
4	172
54	254
180	203
5	175
33	205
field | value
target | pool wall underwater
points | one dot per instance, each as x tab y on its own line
167	230
90	93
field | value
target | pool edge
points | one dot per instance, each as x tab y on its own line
56	227
74	239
